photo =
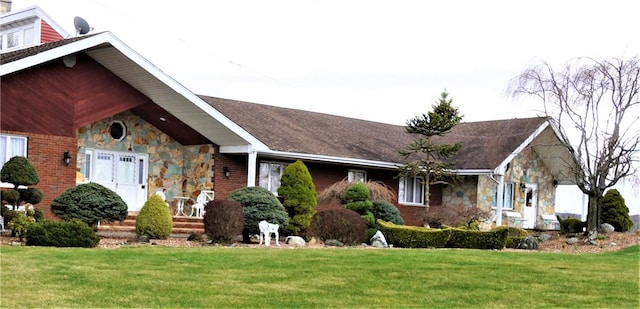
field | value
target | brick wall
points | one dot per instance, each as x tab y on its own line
45	153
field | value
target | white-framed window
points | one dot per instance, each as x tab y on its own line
507	196
411	191
11	146
357	176
18	37
270	174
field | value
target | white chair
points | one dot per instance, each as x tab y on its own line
203	198
162	195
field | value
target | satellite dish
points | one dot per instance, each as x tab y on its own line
82	26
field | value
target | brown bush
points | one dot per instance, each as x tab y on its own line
457	216
223	220
341	224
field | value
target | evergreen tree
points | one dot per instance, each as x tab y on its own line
299	196
615	211
424	158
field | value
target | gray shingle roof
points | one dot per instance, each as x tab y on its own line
485	144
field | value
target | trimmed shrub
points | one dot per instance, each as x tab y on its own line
31	195
223	220
11	196
515	235
74	233
90	202
341	224
571	225
298	193
471	239
386	211
18	171
154	219
615	211
404	236
8	214
258	204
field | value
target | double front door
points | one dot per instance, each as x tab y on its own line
123	172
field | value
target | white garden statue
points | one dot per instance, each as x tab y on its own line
266	229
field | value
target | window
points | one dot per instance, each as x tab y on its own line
118	130
270	173
11	146
507	196
18	37
357	176
411	191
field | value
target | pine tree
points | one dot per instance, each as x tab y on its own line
299	196
423	157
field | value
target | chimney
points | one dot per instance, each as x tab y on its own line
5	6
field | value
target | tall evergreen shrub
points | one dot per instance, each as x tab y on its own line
299	196
154	219
615	211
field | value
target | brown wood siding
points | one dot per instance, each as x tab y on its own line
47	34
53	99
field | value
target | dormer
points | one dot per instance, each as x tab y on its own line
28	27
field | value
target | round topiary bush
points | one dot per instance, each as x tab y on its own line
154	219
74	233
341	224
19	172
386	211
258	204
223	220
89	202
615	211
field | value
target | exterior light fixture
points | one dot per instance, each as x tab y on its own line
226	171
66	158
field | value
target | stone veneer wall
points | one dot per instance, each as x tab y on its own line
526	167
181	170
463	193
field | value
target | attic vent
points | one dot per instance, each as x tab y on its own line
118	130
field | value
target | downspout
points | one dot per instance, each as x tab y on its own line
251	168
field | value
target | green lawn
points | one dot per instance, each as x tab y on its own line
150	276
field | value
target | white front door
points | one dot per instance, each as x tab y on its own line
123	172
530	205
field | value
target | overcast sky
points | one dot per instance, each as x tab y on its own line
384	61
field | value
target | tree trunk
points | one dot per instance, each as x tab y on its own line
594	213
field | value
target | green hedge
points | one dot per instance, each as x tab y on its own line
472	239
74	233
413	236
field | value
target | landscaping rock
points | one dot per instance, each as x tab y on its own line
296	241
607	228
572	240
544	237
333	243
378	240
528	243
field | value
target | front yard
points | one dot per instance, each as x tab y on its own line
250	277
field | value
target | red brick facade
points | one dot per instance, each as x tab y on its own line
45	152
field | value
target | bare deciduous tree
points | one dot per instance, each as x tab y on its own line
595	105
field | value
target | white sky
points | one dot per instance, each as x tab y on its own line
384	61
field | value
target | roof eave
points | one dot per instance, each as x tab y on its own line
198	114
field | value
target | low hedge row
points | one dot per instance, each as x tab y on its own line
419	237
472	239
405	236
